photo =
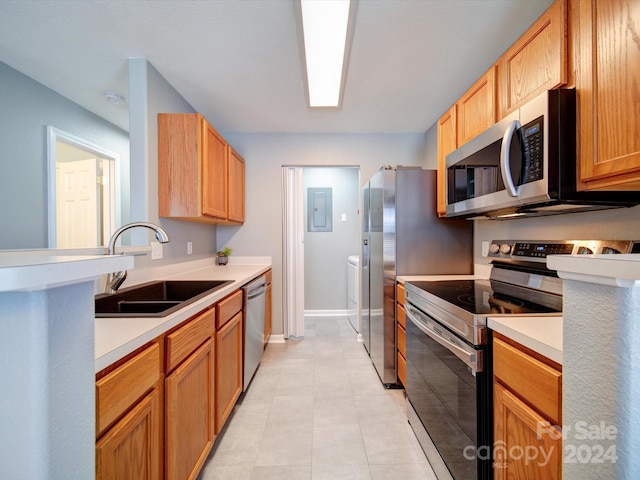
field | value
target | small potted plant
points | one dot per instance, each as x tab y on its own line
222	256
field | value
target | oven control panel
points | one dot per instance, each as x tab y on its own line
537	250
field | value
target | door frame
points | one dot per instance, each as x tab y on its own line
293	251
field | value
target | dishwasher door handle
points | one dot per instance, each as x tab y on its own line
256	292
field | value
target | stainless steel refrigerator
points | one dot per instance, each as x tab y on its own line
402	235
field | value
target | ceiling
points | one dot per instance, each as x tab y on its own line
238	62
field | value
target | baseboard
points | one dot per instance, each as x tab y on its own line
326	313
276	339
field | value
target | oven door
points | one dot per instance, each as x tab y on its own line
448	398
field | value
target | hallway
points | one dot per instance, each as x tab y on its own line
316	410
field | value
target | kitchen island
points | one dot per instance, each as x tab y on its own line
601	364
47	372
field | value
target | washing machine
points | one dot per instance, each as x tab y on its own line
353	293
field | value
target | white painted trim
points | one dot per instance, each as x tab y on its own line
326	313
276	339
293	252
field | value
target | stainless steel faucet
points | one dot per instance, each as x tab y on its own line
115	279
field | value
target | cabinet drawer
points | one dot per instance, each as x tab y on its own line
227	308
402	369
120	389
400	293
537	383
402	340
402	316
186	339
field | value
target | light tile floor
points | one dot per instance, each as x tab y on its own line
316	410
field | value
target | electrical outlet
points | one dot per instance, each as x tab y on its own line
156	250
344	217
485	249
189	248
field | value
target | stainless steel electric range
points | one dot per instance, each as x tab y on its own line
449	371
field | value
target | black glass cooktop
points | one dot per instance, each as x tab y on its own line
478	297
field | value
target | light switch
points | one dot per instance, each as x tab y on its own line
343	217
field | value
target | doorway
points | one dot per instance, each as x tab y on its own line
315	260
83	191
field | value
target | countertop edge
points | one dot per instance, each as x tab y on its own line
536	339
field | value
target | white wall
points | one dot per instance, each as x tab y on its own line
325	253
265	154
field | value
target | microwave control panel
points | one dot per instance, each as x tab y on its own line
533	144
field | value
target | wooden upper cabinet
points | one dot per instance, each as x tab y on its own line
476	109
214	172
537	61
236	187
608	94
197	179
447	143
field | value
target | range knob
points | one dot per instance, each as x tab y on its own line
505	248
494	248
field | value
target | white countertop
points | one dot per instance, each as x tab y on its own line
117	337
24	270
540	334
621	270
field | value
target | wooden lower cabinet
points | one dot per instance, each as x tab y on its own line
527	411
189	414
131	448
401	334
525	446
229	369
158	411
129	417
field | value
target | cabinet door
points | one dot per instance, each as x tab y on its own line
447	143
189	414
131	448
236	187
477	107
228	369
214	173
608	68
525	447
537	61
268	314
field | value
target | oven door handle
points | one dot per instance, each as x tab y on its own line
472	360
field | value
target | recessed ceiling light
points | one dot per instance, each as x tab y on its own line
113	97
325	26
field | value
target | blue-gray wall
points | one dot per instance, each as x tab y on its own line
26	108
325	253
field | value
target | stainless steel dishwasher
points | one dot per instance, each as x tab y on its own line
254	310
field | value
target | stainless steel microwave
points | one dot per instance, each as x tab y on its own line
525	165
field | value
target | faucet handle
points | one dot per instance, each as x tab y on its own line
115	280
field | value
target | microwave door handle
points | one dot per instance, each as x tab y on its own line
505	167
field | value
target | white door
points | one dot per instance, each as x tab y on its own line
77	203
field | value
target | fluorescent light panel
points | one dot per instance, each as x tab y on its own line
324	24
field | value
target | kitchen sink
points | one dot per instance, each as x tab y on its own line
154	299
